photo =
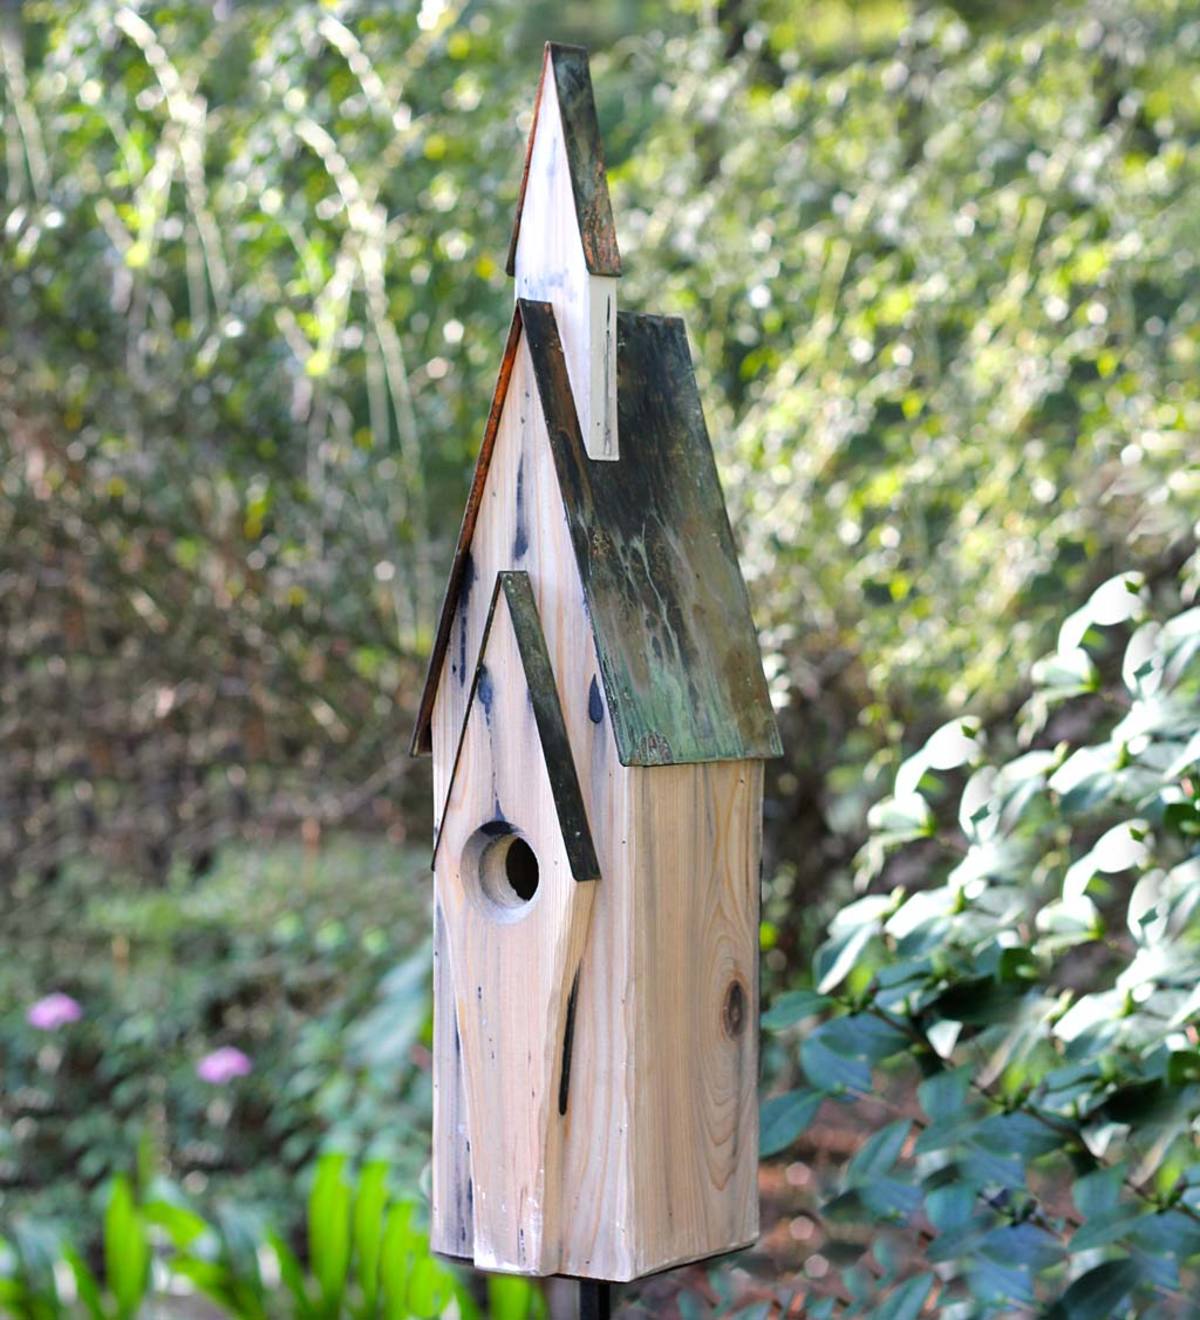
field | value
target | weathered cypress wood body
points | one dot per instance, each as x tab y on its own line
595	692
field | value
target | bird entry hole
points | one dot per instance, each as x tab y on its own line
508	874
521	869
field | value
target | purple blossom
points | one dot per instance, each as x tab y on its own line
53	1011
223	1066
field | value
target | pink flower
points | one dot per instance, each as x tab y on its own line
223	1066
53	1011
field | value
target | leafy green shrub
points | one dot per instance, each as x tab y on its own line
310	971
368	1259
1027	1000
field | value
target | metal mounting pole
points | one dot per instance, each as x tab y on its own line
595	1300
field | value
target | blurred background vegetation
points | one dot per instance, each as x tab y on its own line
938	266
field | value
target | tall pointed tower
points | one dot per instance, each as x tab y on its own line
598	718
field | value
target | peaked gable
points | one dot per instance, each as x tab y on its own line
548	717
571	84
670	616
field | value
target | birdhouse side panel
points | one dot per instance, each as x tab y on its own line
696	838
521	524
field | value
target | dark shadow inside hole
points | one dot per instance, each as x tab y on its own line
521	869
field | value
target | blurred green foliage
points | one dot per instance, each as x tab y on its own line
937	270
370	1259
292	957
1035	982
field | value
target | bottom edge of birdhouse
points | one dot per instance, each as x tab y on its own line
643	1271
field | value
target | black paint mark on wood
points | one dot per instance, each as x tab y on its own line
485	690
564	1076
595	703
521	535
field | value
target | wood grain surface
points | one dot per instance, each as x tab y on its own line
659	1144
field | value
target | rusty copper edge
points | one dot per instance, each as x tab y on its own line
422	743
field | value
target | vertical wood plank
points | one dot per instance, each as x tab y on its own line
695	847
451	1231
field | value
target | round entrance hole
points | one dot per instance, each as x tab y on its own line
507	870
521	868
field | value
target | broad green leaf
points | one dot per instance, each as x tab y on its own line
1119	849
87	1287
369	1207
879	1152
1098	1193
837	957
1110	1226
1066	673
396	1260
906	1301
126	1248
944	1095
510	1297
1022	1246
430	1287
950	1205
838	1072
784	1117
1118	600
1086	778
292	1274
1097	1294
899	819
998	1283
792	1007
214	1281
182	1224
329	1229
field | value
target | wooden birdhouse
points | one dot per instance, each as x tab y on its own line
598	718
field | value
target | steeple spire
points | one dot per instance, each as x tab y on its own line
564	243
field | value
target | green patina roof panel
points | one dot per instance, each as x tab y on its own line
677	648
676	643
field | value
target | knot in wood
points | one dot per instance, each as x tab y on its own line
733	1014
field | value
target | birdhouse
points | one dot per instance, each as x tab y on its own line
598	718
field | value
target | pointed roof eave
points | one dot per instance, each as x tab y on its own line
548	716
422	744
585	159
